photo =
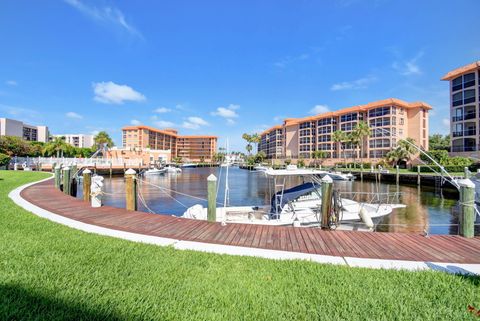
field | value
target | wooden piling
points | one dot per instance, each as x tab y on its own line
361	172
58	176
467	215
212	198
398	174
466	173
110	169
130	190
95	168
66	172
418	175
124	167
327	191
87	184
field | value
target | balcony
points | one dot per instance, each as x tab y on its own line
467	132
464	117
463	149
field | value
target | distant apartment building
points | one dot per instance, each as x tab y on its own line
190	148
11	127
390	119
78	140
464	108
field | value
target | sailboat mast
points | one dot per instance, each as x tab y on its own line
227	190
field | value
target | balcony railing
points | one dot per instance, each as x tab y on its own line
464	117
463	149
467	132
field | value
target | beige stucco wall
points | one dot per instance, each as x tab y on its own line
291	141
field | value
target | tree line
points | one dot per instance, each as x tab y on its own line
11	146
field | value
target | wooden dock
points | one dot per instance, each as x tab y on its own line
377	245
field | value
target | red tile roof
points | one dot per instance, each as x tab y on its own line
462	70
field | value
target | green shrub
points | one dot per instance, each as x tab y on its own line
301	163
435	168
355	165
4	160
441	156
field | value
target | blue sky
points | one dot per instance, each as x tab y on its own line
224	67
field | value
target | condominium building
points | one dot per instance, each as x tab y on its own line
464	108
390	119
78	140
190	148
11	127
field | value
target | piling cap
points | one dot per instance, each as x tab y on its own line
465	182
130	171
66	168
87	171
211	178
327	179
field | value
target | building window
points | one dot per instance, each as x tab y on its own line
457	99
382	111
402	121
348	117
469	80
469	96
457	83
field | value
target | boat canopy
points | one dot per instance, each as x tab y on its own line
292	194
296	172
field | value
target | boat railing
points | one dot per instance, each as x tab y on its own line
372	198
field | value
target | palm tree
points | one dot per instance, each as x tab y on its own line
57	146
255	138
103	138
404	151
248	138
319	154
353	140
339	136
396	155
408	145
362	131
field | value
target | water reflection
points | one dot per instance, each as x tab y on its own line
427	209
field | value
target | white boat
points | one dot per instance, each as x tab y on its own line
154	171
261	168
185	165
172	169
339	176
300	205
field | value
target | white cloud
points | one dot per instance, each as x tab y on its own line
135	122
162	110
111	93
319	109
11	83
194	123
164	123
282	63
446	122
109	15
73	115
361	83
228	113
408	67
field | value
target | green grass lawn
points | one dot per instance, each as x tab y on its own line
51	272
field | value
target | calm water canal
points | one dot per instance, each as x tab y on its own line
426	208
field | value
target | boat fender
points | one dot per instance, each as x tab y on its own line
195	212
366	218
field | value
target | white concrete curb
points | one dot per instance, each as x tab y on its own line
238	250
